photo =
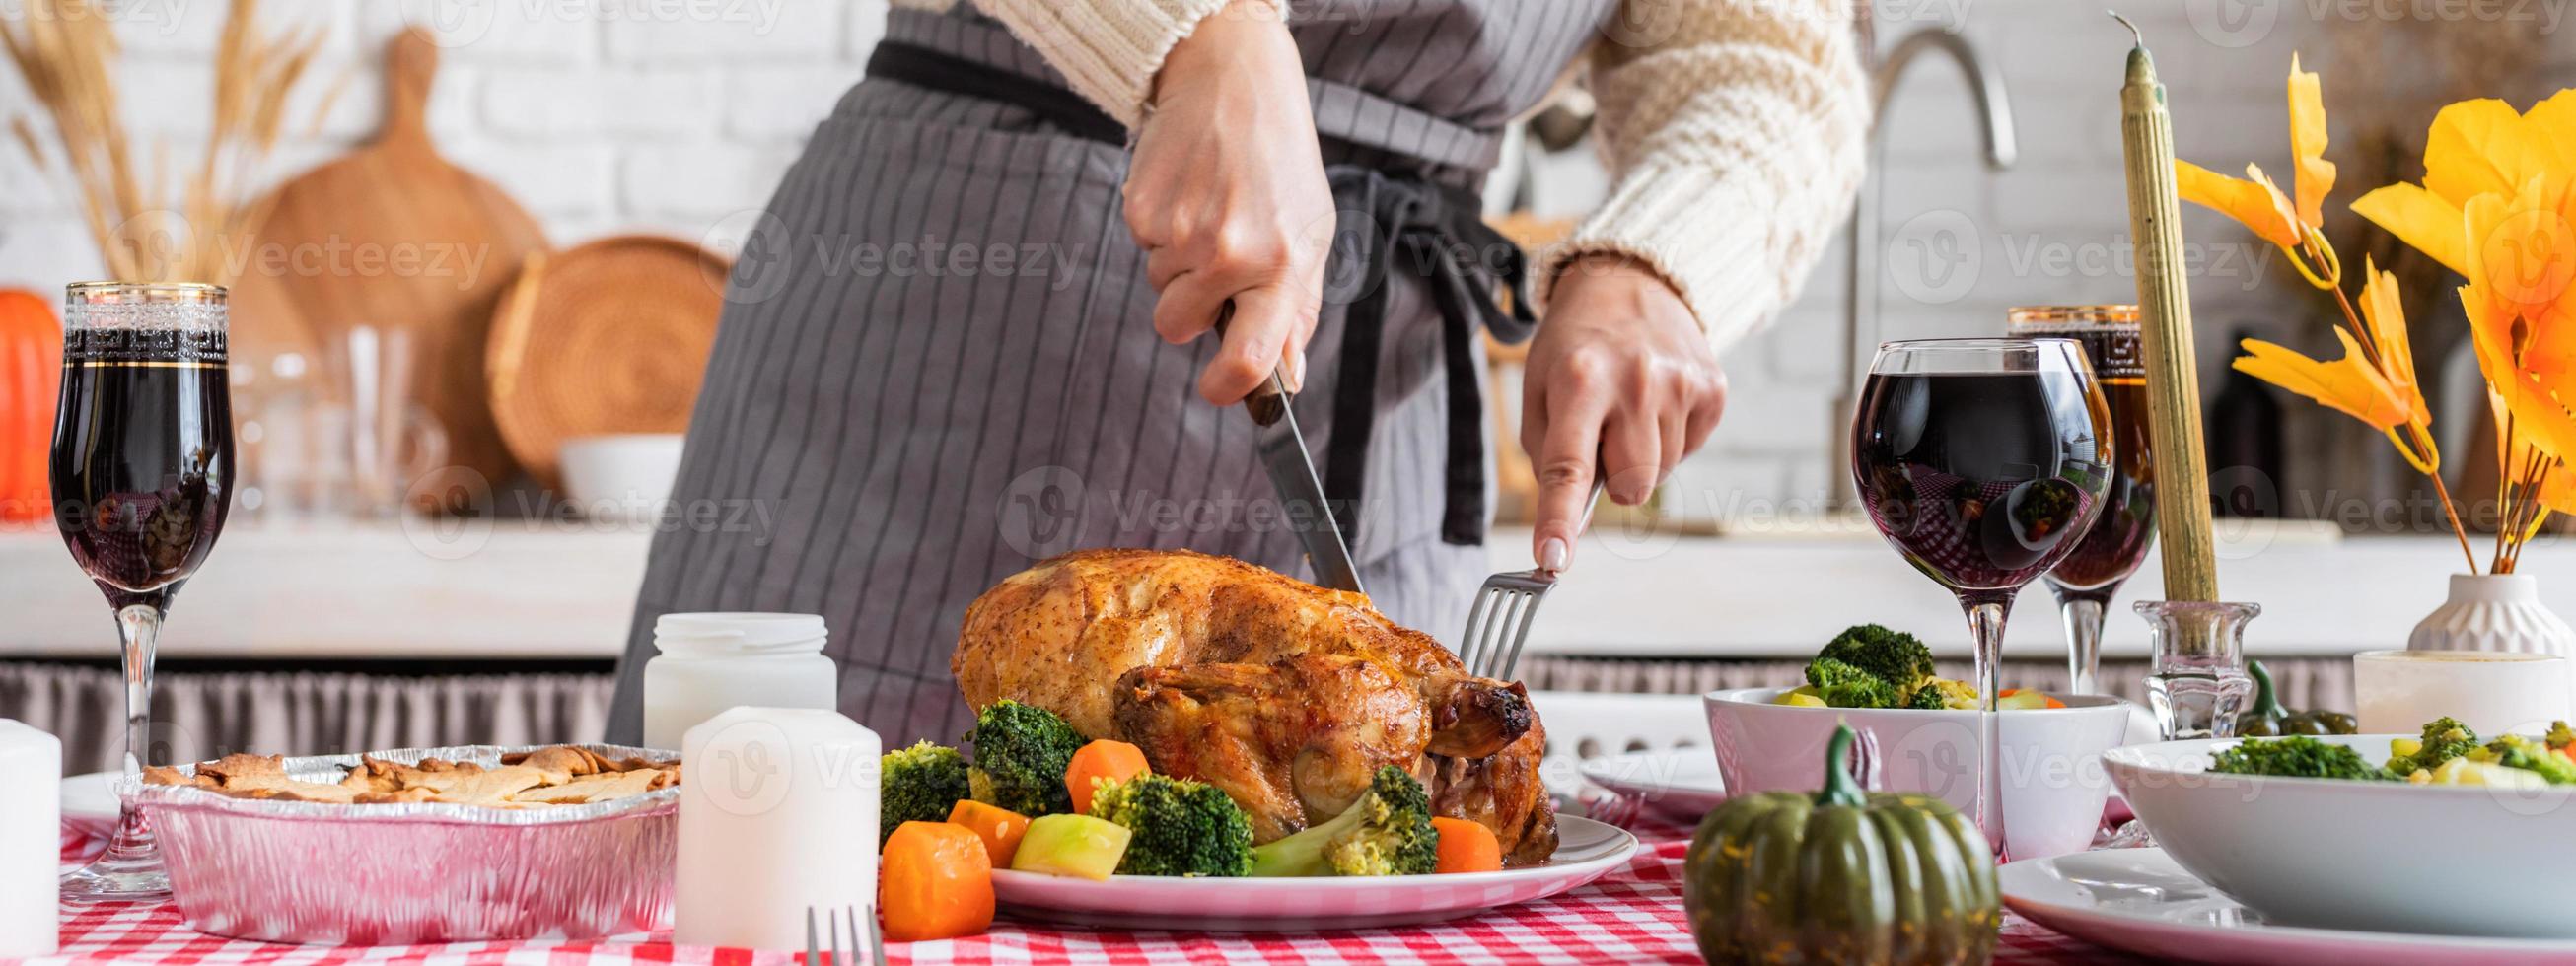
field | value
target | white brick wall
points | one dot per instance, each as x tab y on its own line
678	115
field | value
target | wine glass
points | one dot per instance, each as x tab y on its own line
142	476
1982	462
2111	550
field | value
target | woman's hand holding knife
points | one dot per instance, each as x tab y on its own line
1226	193
1227	196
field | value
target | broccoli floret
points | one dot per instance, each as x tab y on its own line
918	784
1841	685
1177	826
1892	656
2297	756
2560	736
1938	694
1387	832
1863	692
2516	751
1021	752
2444	738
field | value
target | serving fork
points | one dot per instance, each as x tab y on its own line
862	920
1499	622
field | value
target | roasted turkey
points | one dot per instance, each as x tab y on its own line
1286	695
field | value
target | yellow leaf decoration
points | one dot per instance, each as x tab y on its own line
2314	175
2481	147
2423	220
2383	309
2257	204
2348	385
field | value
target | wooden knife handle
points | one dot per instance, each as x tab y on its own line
1268	399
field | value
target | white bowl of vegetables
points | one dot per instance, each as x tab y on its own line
2442	833
1768	739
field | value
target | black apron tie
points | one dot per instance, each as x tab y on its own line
1388	220
1438	232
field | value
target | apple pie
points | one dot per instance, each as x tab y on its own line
557	775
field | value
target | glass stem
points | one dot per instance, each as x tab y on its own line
139	626
2082	612
1987	613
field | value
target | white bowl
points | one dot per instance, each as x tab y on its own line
620	476
2377	856
2053	786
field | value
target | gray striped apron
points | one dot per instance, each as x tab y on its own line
937	364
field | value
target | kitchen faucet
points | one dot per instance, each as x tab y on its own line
1994	110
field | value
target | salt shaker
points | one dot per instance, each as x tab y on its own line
779	814
31	845
709	662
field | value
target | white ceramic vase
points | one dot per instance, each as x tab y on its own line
2493	612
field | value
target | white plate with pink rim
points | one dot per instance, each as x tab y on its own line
1585	850
1682	784
2142	901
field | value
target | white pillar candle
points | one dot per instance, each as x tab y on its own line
2492	692
31	839
778	813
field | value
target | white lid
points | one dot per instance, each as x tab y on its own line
715	635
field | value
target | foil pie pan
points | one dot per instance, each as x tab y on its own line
372	875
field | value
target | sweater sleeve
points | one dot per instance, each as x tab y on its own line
1736	131
1109	49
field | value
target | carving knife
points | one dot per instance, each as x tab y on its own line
1292	474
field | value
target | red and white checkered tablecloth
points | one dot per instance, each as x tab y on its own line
1633	915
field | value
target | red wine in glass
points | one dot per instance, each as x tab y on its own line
1983	462
142	475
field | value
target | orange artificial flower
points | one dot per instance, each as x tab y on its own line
2253	201
2349	384
2258	204
2479	148
2314	176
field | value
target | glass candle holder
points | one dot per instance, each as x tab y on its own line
2196	680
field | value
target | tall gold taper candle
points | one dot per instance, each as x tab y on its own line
2164	310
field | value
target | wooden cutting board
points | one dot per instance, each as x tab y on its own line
392	235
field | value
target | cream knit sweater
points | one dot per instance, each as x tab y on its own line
1735	127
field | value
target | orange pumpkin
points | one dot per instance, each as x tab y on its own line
31	370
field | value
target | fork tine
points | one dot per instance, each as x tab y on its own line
1520	635
1475	620
1508	613
840	954
876	936
813	942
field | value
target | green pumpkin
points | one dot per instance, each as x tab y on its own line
1840	877
2268	719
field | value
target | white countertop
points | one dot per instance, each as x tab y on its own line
556	590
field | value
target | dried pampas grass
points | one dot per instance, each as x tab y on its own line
67	52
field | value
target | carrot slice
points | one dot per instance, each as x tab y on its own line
999	827
934	882
1466	846
1098	763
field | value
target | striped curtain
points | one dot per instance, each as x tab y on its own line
2303	682
199	716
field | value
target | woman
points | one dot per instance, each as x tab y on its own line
917	424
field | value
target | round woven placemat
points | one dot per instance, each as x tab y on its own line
609	337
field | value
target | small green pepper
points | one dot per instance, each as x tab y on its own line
2268	719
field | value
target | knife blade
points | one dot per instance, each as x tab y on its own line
1292	474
